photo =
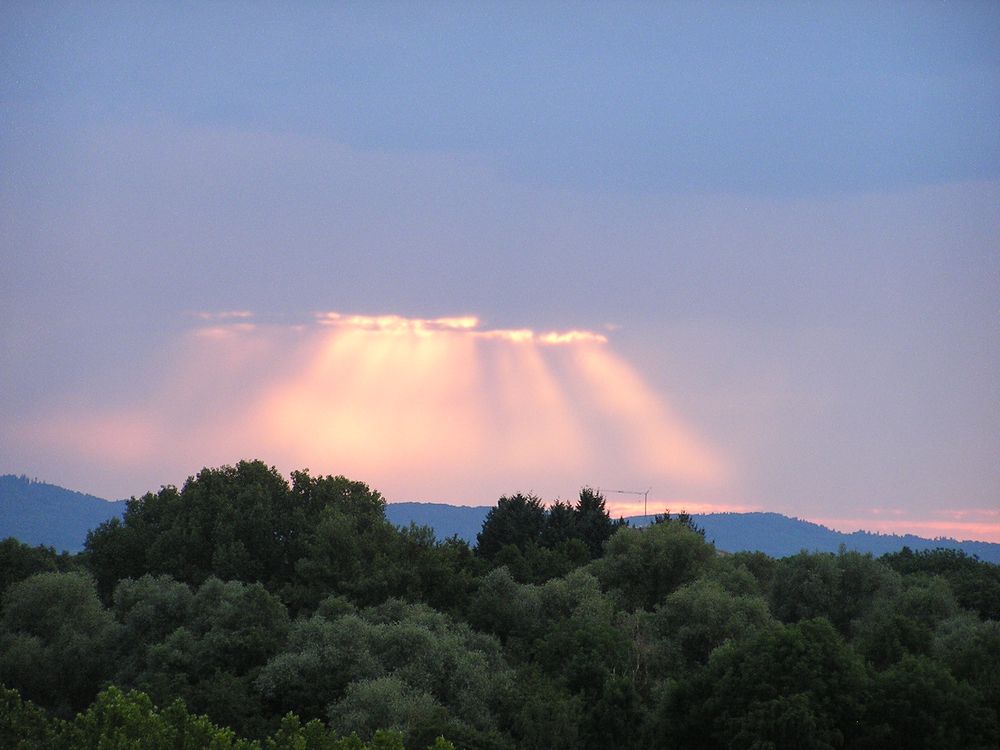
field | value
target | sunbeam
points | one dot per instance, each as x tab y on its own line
437	409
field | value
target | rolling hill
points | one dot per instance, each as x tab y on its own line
40	513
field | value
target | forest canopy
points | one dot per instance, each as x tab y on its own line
248	610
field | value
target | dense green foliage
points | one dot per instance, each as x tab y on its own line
119	721
247	611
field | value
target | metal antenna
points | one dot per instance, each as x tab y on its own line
645	501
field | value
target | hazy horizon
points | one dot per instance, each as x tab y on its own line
629	513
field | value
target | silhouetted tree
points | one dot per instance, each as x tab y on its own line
518	520
560	524
593	523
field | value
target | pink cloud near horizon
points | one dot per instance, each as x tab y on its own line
430	409
933	527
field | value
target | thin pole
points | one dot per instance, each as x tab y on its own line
645	501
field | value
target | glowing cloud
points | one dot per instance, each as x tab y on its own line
223	315
424	327
433	409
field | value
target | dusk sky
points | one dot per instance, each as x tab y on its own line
745	255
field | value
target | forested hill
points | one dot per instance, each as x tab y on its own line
771	533
40	513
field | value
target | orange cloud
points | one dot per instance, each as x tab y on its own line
657	505
432	409
425	326
218	332
223	314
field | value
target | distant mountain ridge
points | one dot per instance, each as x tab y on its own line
464	521
780	536
772	533
41	513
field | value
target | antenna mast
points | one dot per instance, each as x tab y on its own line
645	500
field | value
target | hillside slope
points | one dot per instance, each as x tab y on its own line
41	513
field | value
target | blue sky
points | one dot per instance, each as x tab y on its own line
783	218
747	98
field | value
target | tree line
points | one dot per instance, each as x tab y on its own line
248	610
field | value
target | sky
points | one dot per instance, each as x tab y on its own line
745	256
